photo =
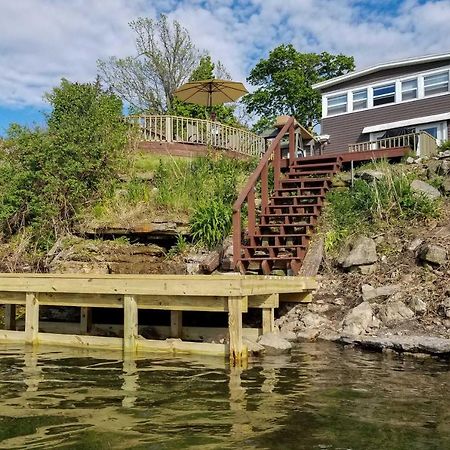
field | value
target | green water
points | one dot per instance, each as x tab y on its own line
320	397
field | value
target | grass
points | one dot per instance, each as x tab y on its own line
369	207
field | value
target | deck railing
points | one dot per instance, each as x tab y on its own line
186	130
272	158
421	143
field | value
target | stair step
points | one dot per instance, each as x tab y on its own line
319	165
320	159
288	214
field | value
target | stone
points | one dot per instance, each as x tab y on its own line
318	307
444	308
394	311
274	344
410	160
193	268
443	155
313	320
359	320
445	187
288	335
417	305
432	254
370	293
432	168
308	335
253	347
367	269
415	244
362	252
371	175
422	188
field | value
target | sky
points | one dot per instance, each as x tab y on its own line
42	41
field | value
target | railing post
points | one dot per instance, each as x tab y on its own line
236	237
264	188
251	212
168	128
277	166
291	144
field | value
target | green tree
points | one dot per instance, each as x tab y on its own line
165	59
46	176
284	83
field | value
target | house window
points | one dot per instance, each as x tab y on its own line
409	89
337	104
435	84
384	94
359	99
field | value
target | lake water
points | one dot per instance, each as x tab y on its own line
322	396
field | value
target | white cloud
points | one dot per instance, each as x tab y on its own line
44	40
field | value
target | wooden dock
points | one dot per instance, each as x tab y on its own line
233	294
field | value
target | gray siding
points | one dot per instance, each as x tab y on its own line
346	129
387	74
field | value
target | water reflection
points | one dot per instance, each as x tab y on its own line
321	396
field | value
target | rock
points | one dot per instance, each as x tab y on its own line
227	255
422	188
368	269
381	292
288	335
274	344
432	254
410	160
371	175
395	311
253	347
193	268
433	167
318	308
415	244
445	187
443	155
313	320
444	308
359	320
417	305
308	335
362	252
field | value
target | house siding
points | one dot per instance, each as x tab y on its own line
347	129
386	75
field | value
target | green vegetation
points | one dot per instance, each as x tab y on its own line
46	176
373	206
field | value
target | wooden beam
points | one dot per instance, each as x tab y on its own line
237	350
81	300
211	303
299	297
85	320
263	301
12	298
10	317
130	323
31	318
267	320
176	324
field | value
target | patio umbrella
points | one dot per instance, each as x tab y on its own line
210	92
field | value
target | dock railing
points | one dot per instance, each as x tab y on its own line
187	130
272	158
421	143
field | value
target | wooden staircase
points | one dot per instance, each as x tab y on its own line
279	230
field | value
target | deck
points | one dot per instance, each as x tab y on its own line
232	294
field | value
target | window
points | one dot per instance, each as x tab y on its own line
433	131
435	84
384	94
359	99
409	89
337	104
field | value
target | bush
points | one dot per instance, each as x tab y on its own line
47	175
370	206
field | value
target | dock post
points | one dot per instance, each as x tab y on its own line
85	320
268	320
130	323
176	324
31	318
237	350
10	317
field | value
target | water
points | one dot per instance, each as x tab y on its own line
320	397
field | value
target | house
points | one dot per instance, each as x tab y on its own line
399	103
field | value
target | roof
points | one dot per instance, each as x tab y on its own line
273	132
388	65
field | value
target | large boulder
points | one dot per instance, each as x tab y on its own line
371	175
395	311
360	320
362	252
432	254
422	188
370	293
274	344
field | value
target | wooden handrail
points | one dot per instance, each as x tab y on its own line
248	193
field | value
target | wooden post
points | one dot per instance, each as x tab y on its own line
86	320
277	166
237	350
10	317
176	324
251	212
236	237
292	143
264	188
130	323
31	318
267	320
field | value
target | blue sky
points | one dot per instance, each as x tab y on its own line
42	41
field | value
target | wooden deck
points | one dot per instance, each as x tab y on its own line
233	294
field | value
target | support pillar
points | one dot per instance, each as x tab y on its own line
31	318
86	320
130	323
176	324
10	317
267	320
238	352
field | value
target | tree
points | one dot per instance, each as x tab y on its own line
165	59
285	82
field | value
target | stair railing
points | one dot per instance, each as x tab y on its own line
272	157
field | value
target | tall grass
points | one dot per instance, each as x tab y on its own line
370	206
